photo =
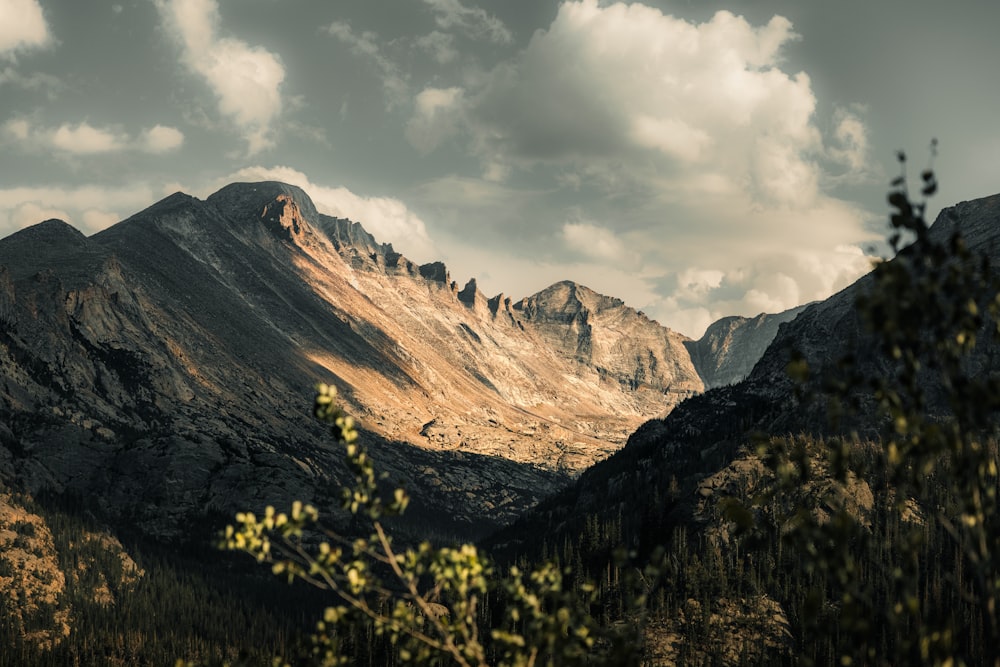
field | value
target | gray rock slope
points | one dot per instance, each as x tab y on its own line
732	346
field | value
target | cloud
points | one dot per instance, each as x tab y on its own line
26	214
434	117
648	86
365	44
17	129
388	219
770	284
473	21
850	147
440	45
670	136
691	142
22	27
696	283
246	79
93	220
593	242
34	81
89	208
86	139
161	139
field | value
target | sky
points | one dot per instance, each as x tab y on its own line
695	158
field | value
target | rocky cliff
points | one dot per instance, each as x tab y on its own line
613	343
731	347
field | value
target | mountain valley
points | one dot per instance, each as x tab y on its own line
157	379
157	375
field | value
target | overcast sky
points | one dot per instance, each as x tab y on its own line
694	158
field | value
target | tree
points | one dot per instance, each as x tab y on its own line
433	605
930	597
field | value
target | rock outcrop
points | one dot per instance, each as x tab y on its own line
37	574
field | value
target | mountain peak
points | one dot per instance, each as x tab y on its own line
730	347
567	298
257	195
167	206
52	244
52	230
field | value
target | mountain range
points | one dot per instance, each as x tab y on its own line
699	452
157	377
161	369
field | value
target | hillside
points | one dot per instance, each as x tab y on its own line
673	458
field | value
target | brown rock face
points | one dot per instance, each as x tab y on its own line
614	345
163	367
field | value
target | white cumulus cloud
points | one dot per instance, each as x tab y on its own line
22	27
161	139
90	208
86	139
692	139
246	79
593	242
648	86
25	214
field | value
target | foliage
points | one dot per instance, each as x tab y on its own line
433	605
915	580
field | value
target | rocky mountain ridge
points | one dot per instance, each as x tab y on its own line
162	367
703	448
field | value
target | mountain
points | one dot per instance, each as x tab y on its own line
701	446
663	489
730	347
157	377
162	368
617	343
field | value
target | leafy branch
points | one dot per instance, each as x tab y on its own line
429	603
